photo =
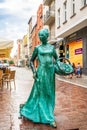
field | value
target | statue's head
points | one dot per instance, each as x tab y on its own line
43	35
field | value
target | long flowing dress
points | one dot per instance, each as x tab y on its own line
41	102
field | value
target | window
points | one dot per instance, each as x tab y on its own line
73	7
65	11
83	3
58	18
67	51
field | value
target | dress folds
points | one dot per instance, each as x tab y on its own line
40	105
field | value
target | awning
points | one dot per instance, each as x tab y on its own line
5	43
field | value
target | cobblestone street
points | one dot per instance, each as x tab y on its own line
70	108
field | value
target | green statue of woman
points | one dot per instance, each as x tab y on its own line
39	107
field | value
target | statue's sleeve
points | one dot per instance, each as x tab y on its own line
34	55
55	54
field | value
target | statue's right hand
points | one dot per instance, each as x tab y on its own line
34	75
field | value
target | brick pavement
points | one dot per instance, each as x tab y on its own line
70	108
74	80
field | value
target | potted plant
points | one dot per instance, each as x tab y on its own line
11	63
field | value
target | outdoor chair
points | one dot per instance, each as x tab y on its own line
8	78
7	70
1	79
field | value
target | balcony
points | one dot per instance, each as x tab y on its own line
47	2
49	17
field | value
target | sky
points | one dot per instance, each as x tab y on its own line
14	17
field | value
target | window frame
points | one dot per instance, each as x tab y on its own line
73	10
73	6
58	14
65	11
83	4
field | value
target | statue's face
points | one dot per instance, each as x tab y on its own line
43	35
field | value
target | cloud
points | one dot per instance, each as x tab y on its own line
14	17
20	8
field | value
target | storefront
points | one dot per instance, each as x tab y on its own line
76	48
74	51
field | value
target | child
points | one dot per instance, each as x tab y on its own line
78	70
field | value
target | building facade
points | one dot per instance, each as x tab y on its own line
49	23
49	18
71	25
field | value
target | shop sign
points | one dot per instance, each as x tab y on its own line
78	51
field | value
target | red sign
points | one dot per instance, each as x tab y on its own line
78	51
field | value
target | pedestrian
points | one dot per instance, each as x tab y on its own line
74	68
74	71
39	107
78	70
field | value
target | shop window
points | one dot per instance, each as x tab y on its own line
67	51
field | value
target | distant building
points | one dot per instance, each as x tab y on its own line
35	24
25	45
20	50
39	22
31	24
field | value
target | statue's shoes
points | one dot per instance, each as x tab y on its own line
53	124
19	117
